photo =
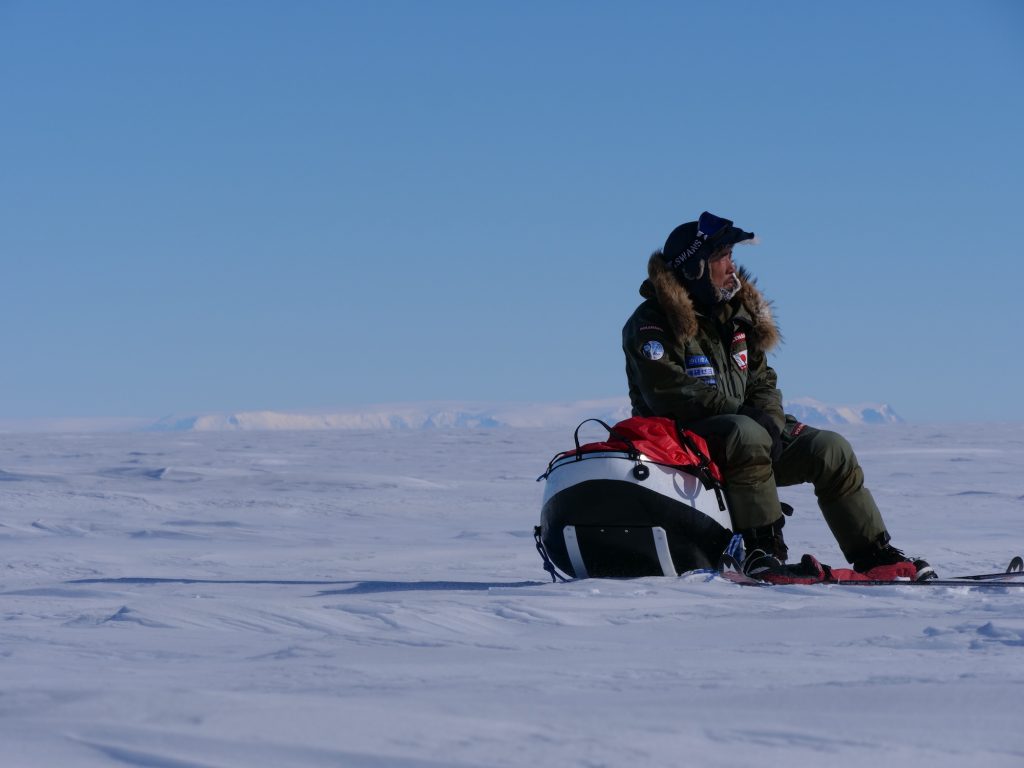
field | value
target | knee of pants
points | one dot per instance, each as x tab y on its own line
837	472
746	441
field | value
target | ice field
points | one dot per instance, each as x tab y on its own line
374	598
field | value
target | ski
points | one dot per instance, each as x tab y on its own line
991	577
740	578
972	584
1014	570
731	571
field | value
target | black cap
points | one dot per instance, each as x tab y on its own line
696	241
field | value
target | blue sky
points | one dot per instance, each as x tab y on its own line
235	205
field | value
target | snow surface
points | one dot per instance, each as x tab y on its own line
374	599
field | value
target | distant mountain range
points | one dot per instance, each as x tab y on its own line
488	415
816	413
409	416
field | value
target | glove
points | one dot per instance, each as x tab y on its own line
770	427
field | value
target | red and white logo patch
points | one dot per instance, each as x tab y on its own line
739	345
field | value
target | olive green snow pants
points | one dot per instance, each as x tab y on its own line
742	449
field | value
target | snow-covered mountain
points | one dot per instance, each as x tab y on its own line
815	412
486	415
407	416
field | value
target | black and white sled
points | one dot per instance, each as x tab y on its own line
647	502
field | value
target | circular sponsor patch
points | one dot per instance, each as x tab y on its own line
653	350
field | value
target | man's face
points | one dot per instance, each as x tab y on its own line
721	269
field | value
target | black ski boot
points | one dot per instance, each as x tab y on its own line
767	538
758	562
881	552
766	549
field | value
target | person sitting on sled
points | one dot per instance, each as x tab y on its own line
696	351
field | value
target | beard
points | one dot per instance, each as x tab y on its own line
730	289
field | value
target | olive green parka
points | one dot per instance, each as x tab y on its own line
691	365
687	364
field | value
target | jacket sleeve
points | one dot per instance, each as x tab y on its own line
661	379
762	387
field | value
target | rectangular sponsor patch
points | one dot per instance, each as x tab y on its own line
700	367
701	373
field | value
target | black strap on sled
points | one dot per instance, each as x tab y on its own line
548	565
703	465
640	471
633	452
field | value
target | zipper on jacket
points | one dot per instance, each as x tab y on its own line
725	334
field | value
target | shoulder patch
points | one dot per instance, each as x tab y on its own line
653	350
650	327
739	350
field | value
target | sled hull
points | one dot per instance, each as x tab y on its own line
613	515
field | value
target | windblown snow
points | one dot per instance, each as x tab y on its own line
373	598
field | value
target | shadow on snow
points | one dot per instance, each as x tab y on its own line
356	587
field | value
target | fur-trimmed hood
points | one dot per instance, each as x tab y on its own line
681	314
